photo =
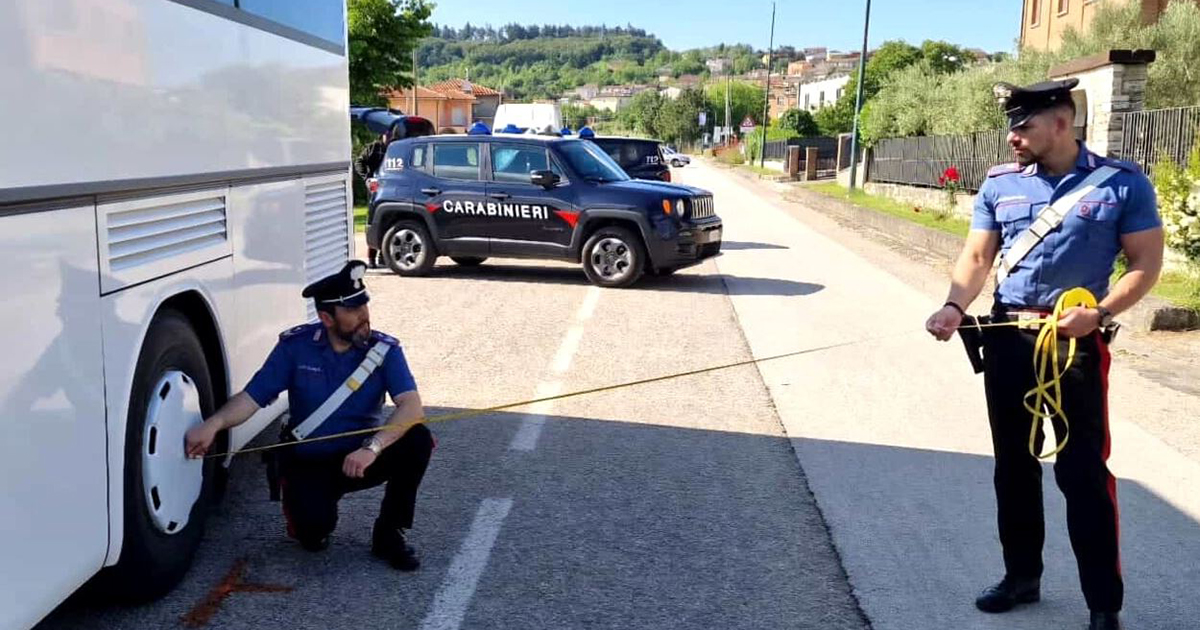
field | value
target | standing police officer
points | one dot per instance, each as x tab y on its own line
336	372
367	165
1043	256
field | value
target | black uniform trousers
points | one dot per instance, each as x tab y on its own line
1080	469
312	487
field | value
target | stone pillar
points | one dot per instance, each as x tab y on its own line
793	162
810	164
1110	85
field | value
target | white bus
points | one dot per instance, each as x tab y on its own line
172	173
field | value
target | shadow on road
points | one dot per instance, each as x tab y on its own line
720	284
739	245
649	526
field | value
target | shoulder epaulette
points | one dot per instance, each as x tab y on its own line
1004	169
1131	167
297	331
384	337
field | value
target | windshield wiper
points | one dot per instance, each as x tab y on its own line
599	180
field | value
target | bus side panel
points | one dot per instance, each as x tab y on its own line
183	91
267	224
53	493
126	317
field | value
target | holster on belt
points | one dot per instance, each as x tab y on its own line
271	459
972	338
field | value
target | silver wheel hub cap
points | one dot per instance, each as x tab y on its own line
172	482
408	250
612	258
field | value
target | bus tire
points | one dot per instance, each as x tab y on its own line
408	250
154	557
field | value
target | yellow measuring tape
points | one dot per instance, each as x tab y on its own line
1044	401
1047	394
479	412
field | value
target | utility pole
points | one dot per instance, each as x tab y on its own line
725	135
862	72
413	110
762	150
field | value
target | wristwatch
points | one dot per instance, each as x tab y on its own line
372	444
1106	316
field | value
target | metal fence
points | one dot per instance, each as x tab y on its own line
775	150
826	147
1157	134
921	160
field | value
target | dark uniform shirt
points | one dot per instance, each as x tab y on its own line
1082	250
306	366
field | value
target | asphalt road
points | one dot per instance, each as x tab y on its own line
821	491
678	504
892	434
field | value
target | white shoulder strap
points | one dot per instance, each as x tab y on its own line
1049	218
373	360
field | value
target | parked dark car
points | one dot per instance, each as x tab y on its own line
638	157
533	196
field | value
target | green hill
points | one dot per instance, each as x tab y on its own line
535	62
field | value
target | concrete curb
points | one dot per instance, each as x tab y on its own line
1150	314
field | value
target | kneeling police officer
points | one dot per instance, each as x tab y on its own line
336	372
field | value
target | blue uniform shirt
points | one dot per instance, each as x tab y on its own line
1081	251
304	364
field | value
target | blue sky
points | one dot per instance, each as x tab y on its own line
993	25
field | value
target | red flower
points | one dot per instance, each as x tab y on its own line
941	180
951	174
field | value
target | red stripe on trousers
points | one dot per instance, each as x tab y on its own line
1105	363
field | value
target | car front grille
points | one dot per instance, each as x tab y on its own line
702	208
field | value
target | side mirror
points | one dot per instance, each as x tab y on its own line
545	179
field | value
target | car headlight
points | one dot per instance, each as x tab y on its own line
679	208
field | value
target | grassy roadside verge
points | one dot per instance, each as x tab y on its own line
952	225
360	218
1177	287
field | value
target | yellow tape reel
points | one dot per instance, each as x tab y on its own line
1045	400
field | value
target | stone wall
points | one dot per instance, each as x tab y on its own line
927	198
1110	84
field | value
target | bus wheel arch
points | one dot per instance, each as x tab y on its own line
165	502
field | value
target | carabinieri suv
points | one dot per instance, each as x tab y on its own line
544	197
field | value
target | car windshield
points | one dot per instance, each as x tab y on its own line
590	162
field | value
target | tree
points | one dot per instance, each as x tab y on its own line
642	113
382	36
679	120
800	121
746	99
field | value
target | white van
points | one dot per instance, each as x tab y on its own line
528	116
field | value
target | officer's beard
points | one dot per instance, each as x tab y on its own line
359	337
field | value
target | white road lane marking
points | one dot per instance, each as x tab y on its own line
531	427
454	595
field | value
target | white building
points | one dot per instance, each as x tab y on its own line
822	92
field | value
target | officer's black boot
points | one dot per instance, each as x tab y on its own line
1008	593
388	543
1105	621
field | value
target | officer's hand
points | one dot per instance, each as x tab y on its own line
1078	322
943	323
198	439
357	462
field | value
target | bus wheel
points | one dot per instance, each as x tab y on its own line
166	494
408	250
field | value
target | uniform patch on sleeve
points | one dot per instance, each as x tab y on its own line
1004	169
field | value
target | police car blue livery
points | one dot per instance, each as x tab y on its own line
532	196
